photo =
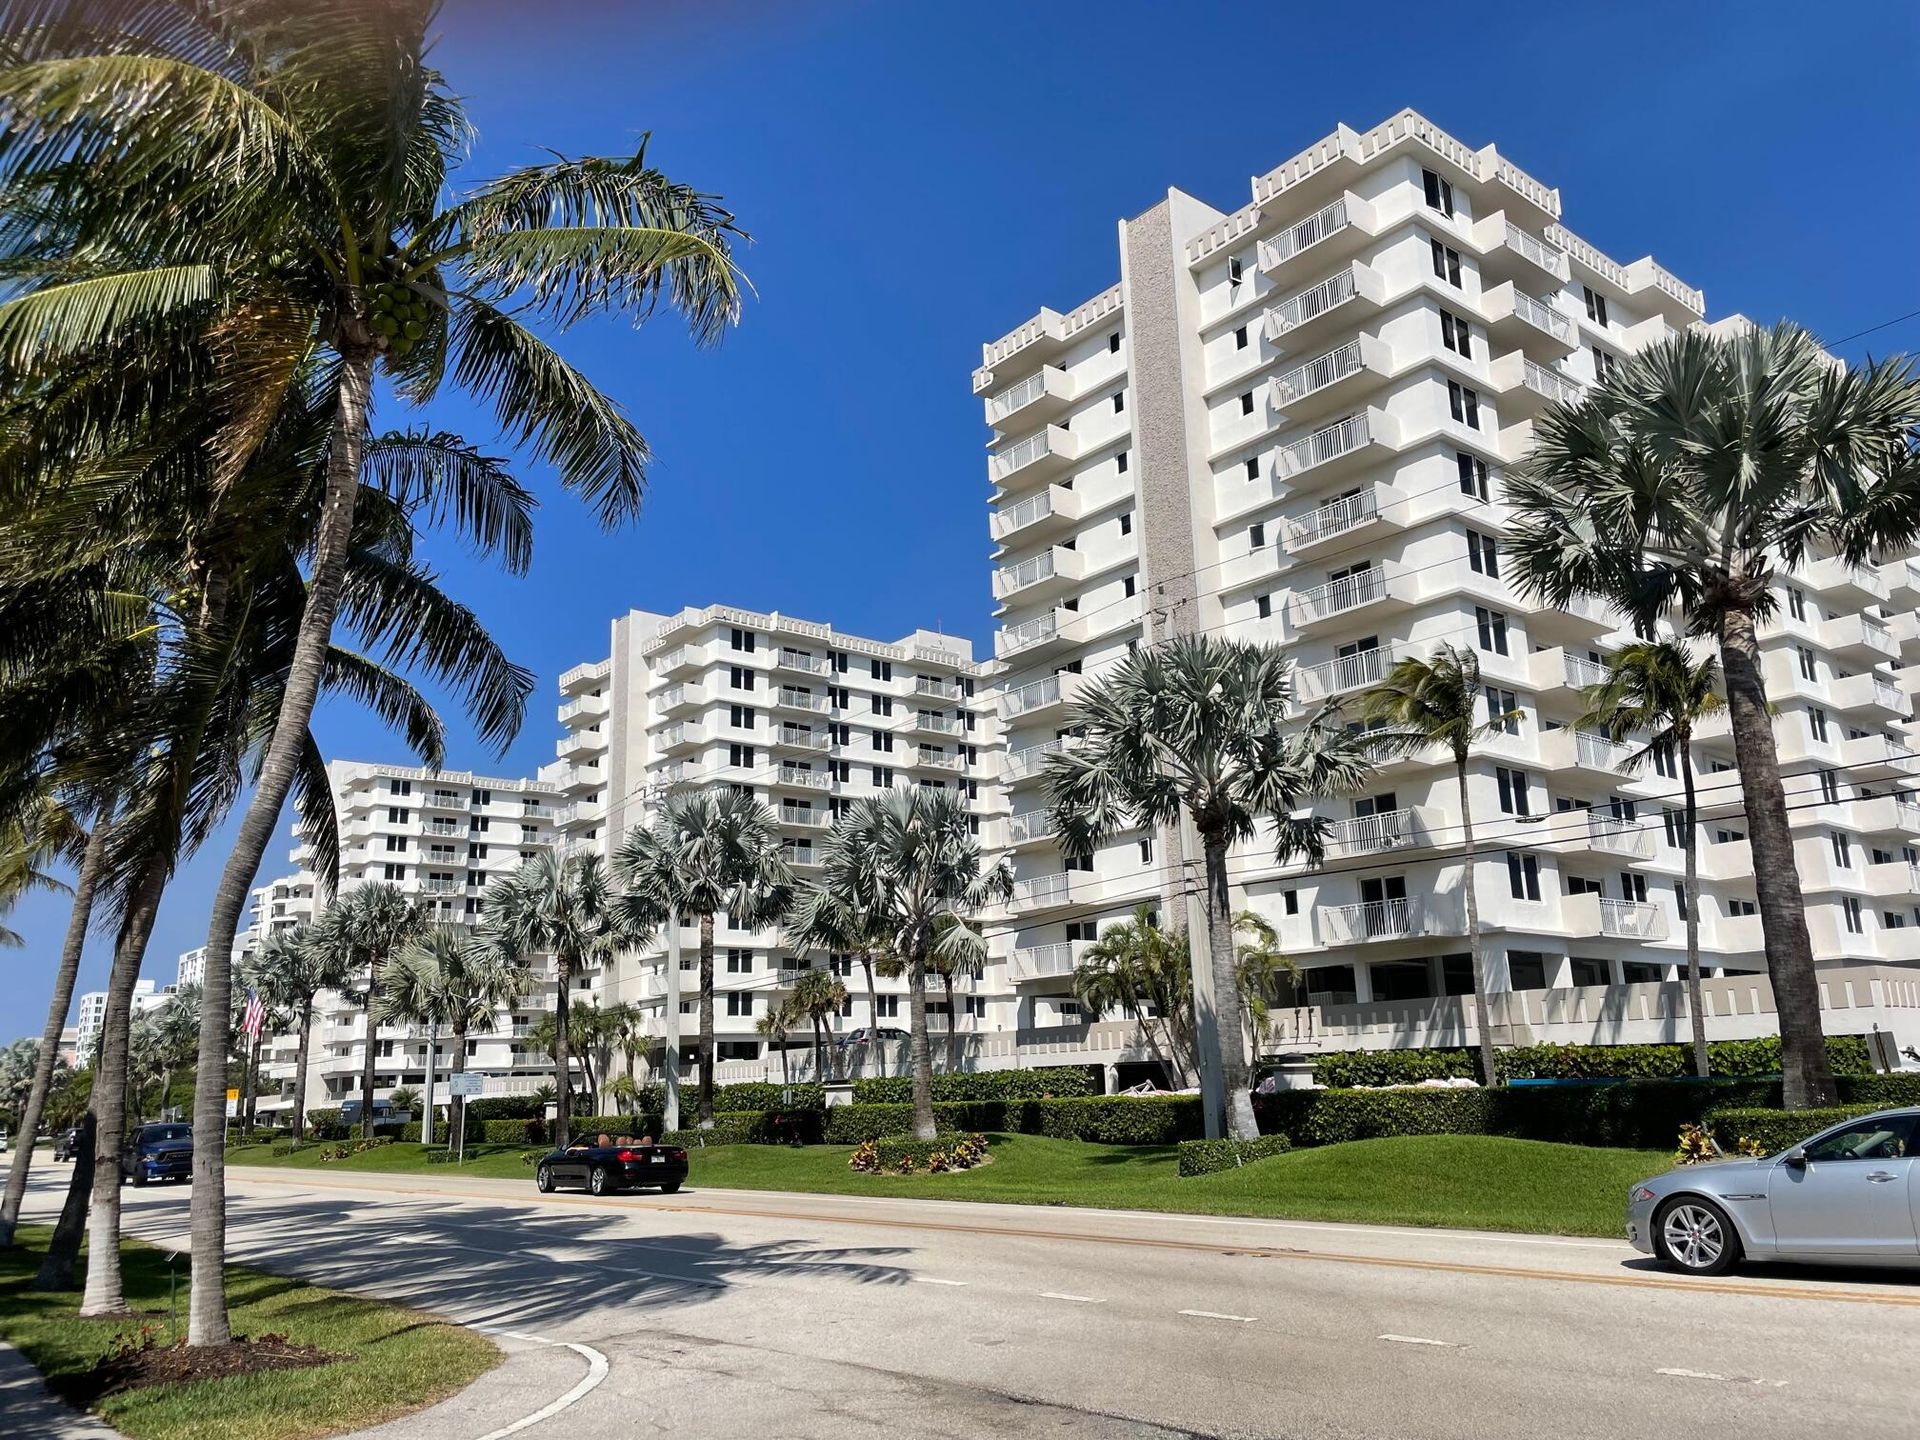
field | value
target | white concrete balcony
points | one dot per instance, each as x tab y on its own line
1653	284
1580	621
1029	828
1027	764
1586	751
1737	935
1257	566
1042	893
1905	629
798	737
805	816
1879	757
939	760
1604	834
681	660
1526	387
1389	832
1592	914
1046	962
577	779
1894	816
1057	627
1872	693
1378	590
932	723
1373	510
804	661
1324	236
1379	920
795	777
680	698
1863	639
587	707
682	735
1053	571
585	677
434	886
1040	697
1033	458
1051	511
1902	581
585	812
445	800
1044	395
1514	253
1336	449
1347	673
936	688
1343	299
1518	319
1561	669
579	745
1842	584
799	857
676	774
439	826
1724	860
1893	879
789	697
1327	384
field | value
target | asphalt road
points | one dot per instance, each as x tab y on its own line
731	1312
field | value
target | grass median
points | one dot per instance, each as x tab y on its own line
390	1360
1473	1182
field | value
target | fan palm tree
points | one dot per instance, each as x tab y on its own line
819	995
1657	689
1193	729
1258	960
773	1027
823	920
1421	704
964	959
909	861
1139	969
359	933
447	978
563	905
707	851
1684	486
291	970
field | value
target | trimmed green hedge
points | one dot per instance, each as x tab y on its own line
1730	1059
514	1132
891	1151
754	1127
1203	1157
1116	1119
1777	1130
1042	1083
851	1124
504	1107
325	1124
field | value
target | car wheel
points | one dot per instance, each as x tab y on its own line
600	1180
672	1187
139	1179
1696	1236
543	1178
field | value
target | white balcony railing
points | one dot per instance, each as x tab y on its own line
805	779
1337	518
1304	234
1550	383
1632	920
1542	316
1034	825
1011	579
1017	396
1328	443
804	660
1370	920
1028	761
1597	752
1336	597
1034	696
1045	962
1537	251
1317	373
1042	890
934	685
1028	632
799	739
1372	834
1615	836
1582	672
802	699
1291	313
1348	672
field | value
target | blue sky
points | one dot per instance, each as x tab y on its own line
919	178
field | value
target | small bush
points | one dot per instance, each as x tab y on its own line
504	1107
905	1155
1203	1157
325	1125
1776	1130
356	1147
762	1095
1116	1119
514	1132
852	1124
1046	1082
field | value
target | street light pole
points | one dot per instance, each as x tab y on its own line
433	1050
670	1120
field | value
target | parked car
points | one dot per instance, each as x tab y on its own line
604	1169
66	1145
1848	1195
158	1152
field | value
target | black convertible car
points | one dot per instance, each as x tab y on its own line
604	1169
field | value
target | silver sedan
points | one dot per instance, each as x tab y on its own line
1849	1195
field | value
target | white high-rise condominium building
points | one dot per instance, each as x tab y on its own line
441	837
808	719
1290	423
93	1012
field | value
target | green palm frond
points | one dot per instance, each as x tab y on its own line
42	328
434	475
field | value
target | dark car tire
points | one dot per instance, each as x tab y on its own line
543	1179
600	1180
1703	1240
139	1179
672	1187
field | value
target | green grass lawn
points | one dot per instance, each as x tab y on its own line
399	1359
1472	1181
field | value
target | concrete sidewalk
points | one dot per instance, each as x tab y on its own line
28	1408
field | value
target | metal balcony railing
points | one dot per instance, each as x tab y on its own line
1297	310
1317	373
1334	519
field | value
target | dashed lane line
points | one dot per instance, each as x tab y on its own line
934	1280
1216	1315
1076	1299
1724	1379
1421	1340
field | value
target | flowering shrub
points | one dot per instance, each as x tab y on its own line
865	1158
904	1155
1696	1146
358	1147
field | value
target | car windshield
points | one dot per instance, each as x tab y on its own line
151	1133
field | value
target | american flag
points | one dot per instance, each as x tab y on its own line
256	1015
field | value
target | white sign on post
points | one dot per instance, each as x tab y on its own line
466	1087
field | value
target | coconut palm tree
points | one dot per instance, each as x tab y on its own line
707	851
1139	969
818	995
291	970
1258	961
773	1027
1686	486
965	958
358	934
563	905
1435	702
447	978
1193	729
910	862
1657	689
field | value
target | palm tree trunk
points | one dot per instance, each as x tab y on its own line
918	1049
58	1005
705	1111
250	1085
1482	1014
1691	886
953	1025
103	1295
300	1071
56	1269
207	1314
786	1074
457	1104
874	1054
367	1059
1230	1021
819	1048
562	1059
1807	1078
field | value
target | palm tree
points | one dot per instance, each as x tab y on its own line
910	862
445	977
819	995
1686	484
707	851
1657	689
561	905
179	1026
1193	729
1421	704
964	959
1141	970
822	920
359	933
773	1027
1258	959
291	970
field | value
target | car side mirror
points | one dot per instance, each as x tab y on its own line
1795	1159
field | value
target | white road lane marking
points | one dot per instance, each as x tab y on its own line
1724	1379
1422	1340
934	1280
596	1372
1076	1299
1216	1315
